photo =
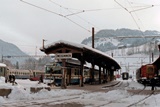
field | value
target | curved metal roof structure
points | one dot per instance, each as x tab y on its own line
79	50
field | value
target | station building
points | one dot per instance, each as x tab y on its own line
83	53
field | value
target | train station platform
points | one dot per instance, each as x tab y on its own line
93	88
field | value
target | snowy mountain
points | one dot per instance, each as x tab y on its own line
11	52
106	40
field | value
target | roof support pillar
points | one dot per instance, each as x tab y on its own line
81	71
99	74
104	75
64	72
111	75
92	72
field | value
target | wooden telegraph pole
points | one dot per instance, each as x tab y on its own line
92	76
43	43
92	37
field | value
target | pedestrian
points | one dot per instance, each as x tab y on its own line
6	78
10	78
152	84
13	80
41	79
145	83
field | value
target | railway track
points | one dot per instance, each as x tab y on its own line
52	100
44	101
121	86
143	99
62	100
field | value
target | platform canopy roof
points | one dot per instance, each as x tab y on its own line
80	51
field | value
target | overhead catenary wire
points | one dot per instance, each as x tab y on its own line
139	18
41	8
134	11
131	16
142	8
83	10
74	13
88	10
130	12
55	14
62	6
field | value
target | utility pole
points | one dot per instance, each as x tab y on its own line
92	37
43	43
92	71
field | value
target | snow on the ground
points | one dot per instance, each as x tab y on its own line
114	98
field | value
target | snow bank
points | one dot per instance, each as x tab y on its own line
114	98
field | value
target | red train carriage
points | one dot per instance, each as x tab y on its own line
145	73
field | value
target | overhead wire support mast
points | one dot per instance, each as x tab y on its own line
55	14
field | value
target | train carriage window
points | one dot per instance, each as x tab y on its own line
58	72
85	72
49	69
59	64
77	72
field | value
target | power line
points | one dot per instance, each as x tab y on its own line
55	14
62	6
145	7
41	8
26	56
86	10
89	10
142	8
130	12
75	13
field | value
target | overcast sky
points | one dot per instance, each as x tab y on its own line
25	23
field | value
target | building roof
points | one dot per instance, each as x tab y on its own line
89	54
2	65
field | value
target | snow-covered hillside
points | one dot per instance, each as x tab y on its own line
131	62
106	40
